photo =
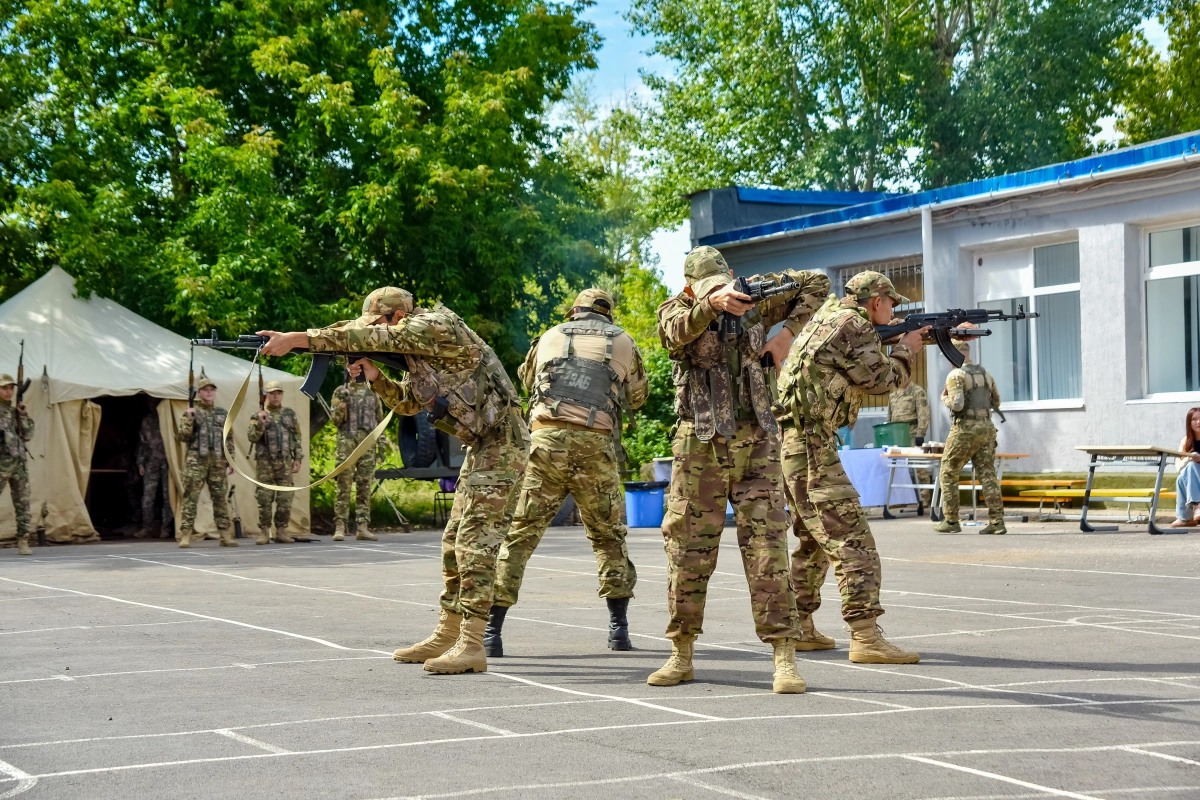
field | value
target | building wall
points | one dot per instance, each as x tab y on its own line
1109	223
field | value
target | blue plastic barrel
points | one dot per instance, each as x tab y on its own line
644	503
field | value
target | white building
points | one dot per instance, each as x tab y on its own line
1106	249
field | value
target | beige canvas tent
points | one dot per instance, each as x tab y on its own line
89	355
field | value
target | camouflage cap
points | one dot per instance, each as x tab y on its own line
596	300
705	270
386	301
7	380
204	381
273	386
866	285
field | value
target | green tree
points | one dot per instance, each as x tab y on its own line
267	164
874	94
1164	100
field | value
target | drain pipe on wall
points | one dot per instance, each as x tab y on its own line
935	370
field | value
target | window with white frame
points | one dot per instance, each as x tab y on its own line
1173	310
1035	360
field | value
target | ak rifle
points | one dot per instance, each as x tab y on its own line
946	325
730	325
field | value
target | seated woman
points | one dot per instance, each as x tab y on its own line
1187	485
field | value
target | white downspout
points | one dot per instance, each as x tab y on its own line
932	303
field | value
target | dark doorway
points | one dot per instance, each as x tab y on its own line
114	495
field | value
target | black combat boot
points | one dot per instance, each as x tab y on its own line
493	646
618	624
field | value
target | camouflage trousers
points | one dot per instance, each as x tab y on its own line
360	474
831	526
582	463
279	473
484	501
971	440
156	485
198	472
742	470
15	475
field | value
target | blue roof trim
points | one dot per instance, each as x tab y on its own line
1126	157
793	197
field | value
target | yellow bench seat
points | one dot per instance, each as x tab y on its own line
1100	494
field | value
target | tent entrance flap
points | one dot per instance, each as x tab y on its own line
114	492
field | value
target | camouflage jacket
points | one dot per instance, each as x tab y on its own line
452	373
717	382
279	438
837	360
356	410
150	448
202	434
12	444
910	405
971	393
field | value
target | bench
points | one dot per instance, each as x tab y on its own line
1126	496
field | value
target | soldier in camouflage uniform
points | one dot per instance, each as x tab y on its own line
454	375
16	429
204	465
833	364
156	475
275	436
726	449
356	412
971	396
911	405
575	374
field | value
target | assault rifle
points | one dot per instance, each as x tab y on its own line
730	325
22	386
320	361
944	325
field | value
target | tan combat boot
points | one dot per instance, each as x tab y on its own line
141	533
787	679
867	646
226	536
946	526
339	531
365	535
679	665
444	637
185	538
811	638
23	546
264	536
467	654
994	528
281	536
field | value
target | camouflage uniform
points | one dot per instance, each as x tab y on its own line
13	470
971	395
911	405
833	364
156	475
356	412
204	465
726	448
276	449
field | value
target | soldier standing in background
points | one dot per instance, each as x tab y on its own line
911	405
275	435
16	429
156	475
726	449
833	364
971	395
575	374
205	464
356	412
456	376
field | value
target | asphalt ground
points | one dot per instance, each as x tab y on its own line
1054	663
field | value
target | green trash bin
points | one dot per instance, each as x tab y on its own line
893	434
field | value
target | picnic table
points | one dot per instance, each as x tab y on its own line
933	463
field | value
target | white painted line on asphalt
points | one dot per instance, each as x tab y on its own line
690	781
194	669
24	780
1177	759
36	597
237	737
99	627
980	632
996	777
1045	619
471	722
1040	569
1124	610
643	703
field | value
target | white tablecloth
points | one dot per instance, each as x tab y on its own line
868	471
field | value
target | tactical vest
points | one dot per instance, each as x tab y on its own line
276	442
362	412
718	383
813	391
578	380
466	402
11	443
207	429
978	401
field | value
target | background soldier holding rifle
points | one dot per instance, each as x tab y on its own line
16	429
275	435
204	464
356	412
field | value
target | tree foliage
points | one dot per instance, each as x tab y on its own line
875	94
268	163
1164	99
